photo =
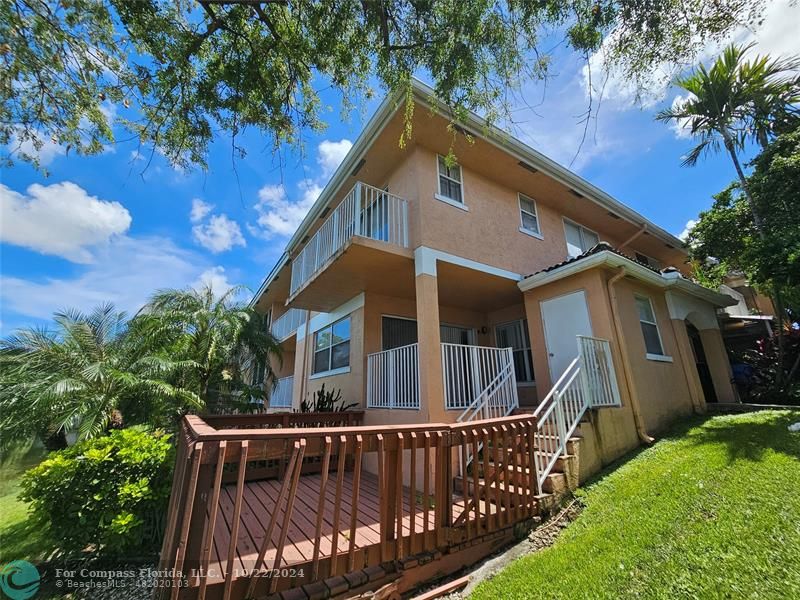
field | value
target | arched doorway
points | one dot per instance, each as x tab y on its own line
700	361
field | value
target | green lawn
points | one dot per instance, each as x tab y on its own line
19	539
711	511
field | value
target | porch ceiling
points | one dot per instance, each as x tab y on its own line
475	290
363	265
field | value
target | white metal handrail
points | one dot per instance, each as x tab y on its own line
281	396
393	378
589	381
600	378
470	370
365	211
497	400
289	322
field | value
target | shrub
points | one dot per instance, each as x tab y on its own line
107	495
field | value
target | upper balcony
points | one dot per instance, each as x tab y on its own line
288	323
373	220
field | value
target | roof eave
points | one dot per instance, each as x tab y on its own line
613	260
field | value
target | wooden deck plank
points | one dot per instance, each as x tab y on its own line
259	499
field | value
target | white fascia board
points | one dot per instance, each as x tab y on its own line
425	263
634	269
324	319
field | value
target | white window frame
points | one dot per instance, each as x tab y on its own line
534	214
446	199
649	355
521	324
581	228
314	350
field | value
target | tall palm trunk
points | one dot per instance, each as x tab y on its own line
743	181
777	300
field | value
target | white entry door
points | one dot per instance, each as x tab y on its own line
564	318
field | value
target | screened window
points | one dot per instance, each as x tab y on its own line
332	347
398	332
528	215
579	239
515	335
647	319
643	258
450	181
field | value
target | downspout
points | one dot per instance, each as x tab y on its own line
626	364
641	230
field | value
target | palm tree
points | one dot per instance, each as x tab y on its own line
220	338
737	102
734	103
78	376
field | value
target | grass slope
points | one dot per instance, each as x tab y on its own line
711	511
19	537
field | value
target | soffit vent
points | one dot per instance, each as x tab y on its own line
528	167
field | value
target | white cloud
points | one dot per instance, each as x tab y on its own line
331	154
126	272
214	277
48	149
199	210
775	34
61	219
280	216
681	127
219	234
684	235
280	213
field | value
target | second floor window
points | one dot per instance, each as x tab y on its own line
579	239
450	181
332	347
528	215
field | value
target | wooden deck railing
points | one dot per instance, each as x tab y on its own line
373	495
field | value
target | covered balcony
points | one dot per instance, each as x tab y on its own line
288	323
366	237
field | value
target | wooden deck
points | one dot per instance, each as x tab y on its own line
259	508
259	501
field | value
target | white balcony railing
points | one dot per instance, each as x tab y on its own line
288	323
281	396
365	211
471	370
393	378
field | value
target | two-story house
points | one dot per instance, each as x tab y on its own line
428	290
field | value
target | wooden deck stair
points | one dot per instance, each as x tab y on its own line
512	469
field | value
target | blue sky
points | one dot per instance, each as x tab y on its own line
104	228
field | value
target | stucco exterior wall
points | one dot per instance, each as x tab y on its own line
488	231
613	429
663	387
351	383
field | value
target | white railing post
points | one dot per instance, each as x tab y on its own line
358	211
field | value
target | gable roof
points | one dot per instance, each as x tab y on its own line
478	128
